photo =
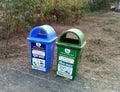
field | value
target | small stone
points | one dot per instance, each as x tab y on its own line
93	78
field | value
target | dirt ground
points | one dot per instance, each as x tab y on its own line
100	64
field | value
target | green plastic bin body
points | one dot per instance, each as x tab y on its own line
69	53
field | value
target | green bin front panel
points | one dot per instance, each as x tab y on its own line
67	62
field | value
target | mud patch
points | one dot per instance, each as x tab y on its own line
97	59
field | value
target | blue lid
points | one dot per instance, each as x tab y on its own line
44	33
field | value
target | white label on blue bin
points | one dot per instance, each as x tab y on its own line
38	44
38	56
38	50
38	64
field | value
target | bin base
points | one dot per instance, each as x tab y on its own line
45	70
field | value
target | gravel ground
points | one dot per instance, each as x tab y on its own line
99	67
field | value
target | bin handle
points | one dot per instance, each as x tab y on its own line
64	36
42	32
38	31
78	33
49	32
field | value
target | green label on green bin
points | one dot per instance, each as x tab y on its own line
66	59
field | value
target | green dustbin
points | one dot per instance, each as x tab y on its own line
69	53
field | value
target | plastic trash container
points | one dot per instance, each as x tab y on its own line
69	53
42	41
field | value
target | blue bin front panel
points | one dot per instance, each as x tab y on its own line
42	55
38	56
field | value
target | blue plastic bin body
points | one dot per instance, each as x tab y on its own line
42	47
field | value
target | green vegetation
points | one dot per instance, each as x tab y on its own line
24	14
21	15
98	4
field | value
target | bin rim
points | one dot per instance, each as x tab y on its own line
69	45
32	39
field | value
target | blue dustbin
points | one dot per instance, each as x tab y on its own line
42	43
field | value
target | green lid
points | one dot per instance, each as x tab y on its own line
79	42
